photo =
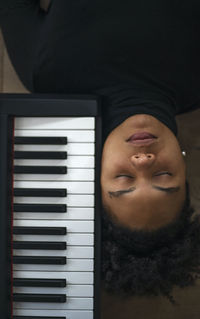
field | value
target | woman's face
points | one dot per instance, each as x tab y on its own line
133	177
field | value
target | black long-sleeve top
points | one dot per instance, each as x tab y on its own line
141	56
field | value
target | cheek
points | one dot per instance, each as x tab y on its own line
176	149
179	163
172	155
112	158
107	153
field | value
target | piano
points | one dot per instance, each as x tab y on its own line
50	206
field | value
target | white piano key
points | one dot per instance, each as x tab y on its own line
73	213
72	226
73	174
72	187
69	290
70	200
71	162
71	148
71	239
73	136
72	278
71	265
79	148
71	252
54	123
70	304
69	314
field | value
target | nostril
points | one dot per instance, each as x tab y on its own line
137	156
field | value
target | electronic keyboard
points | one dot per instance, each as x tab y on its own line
50	206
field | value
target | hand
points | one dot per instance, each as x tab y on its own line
44	4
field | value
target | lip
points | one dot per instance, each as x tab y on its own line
142	139
144	142
141	136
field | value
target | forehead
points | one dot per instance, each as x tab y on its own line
145	211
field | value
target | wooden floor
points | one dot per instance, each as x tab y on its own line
9	81
189	138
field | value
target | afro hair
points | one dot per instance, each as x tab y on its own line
144	263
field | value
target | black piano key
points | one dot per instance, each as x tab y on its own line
39	260
39	298
33	317
38	140
40	208
19	230
40	170
39	282
39	155
43	245
40	192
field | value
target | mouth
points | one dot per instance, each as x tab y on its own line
142	139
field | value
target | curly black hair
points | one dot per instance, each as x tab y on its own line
144	263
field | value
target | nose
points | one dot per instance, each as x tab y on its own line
142	160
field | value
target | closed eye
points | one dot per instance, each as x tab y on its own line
124	176
163	173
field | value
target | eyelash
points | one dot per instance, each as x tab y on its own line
164	173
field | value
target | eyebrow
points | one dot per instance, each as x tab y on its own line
168	190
